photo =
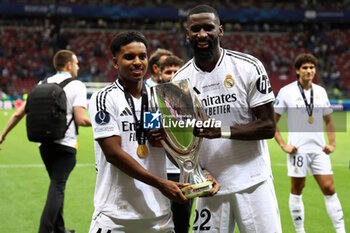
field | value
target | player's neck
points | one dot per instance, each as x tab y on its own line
210	65
134	88
306	84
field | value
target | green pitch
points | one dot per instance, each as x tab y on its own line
24	183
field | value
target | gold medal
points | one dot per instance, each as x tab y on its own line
310	119
142	151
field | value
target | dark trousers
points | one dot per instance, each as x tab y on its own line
181	212
59	161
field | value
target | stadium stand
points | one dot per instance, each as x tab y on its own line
225	4
27	43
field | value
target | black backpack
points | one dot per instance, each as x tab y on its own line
46	111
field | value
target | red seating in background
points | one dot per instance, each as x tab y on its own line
26	48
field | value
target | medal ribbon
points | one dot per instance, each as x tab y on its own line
309	107
140	132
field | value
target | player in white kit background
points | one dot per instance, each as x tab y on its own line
233	88
307	107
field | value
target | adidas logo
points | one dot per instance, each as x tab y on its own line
298	218
126	112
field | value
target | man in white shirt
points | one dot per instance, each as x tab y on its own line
59	156
233	88
307	106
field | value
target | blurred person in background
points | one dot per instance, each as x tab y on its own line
153	65
169	67
59	156
307	107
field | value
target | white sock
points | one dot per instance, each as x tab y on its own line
335	212
296	207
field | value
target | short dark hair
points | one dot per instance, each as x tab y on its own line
171	61
304	58
124	38
61	58
155	56
203	9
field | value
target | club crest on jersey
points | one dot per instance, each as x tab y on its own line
229	82
102	117
263	85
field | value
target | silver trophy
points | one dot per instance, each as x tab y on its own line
180	109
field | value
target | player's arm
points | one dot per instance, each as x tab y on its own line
79	103
329	148
263	127
115	155
13	121
290	149
80	116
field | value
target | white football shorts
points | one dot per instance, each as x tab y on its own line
316	163
106	224
255	210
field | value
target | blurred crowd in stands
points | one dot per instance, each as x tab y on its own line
225	4
27	45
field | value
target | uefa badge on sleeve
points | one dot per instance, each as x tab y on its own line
152	120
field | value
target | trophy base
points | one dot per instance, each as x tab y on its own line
198	190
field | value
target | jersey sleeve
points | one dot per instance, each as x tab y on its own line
280	104
103	117
260	90
80	94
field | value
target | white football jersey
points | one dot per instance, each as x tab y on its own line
237	84
116	194
307	137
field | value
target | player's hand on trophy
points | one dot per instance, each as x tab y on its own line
216	185
172	190
210	132
154	136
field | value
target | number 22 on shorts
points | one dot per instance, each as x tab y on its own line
201	220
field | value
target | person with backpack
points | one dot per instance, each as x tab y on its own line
58	150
